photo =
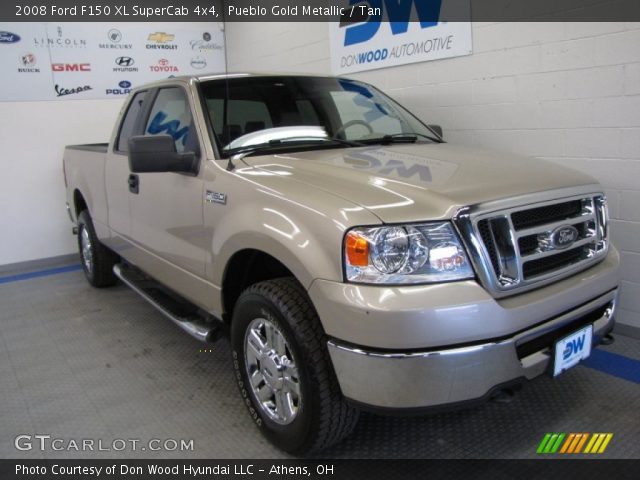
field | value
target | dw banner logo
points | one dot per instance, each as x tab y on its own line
399	13
572	443
375	34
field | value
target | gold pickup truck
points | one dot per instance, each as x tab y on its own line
356	260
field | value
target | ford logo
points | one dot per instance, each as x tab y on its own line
564	236
8	37
124	84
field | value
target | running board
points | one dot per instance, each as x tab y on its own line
182	313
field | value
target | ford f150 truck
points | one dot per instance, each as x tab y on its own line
355	259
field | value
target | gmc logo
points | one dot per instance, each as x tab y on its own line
71	67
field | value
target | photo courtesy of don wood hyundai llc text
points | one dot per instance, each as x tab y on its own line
320	239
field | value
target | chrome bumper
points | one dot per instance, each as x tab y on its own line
440	377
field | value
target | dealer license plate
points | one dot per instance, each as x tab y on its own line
572	349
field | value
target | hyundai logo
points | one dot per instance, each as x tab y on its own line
124	61
564	236
8	37
124	84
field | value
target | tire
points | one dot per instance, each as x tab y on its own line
322	417
96	259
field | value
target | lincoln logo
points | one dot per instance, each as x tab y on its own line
564	236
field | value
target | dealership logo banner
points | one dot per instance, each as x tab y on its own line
387	33
68	61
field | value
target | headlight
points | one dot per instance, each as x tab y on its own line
427	253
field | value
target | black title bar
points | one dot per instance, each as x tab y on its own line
342	11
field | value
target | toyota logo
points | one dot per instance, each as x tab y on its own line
124	61
564	236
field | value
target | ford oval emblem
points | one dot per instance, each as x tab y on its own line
124	84
564	236
8	37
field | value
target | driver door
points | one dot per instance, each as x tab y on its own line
167	208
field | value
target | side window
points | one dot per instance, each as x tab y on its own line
129	122
171	115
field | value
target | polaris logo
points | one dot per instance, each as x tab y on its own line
125	88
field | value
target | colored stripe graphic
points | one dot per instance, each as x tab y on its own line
598	442
550	443
573	443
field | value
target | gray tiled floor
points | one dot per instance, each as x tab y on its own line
77	363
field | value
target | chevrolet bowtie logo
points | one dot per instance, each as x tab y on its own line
160	37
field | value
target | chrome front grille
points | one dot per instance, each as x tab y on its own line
516	248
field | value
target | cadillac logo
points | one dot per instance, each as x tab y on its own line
563	237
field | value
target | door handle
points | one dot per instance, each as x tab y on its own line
134	183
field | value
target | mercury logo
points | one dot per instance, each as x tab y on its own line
114	35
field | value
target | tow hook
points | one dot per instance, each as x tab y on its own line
505	395
607	339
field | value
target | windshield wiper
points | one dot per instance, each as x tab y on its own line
389	139
241	152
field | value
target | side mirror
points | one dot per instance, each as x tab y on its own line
437	129
157	153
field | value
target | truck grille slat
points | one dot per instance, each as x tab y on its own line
547	214
521	247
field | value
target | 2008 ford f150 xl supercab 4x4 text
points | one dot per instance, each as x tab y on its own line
356	260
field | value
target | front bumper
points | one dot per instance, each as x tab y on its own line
453	375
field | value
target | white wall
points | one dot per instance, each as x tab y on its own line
32	194
568	92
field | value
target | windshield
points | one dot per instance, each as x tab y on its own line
269	111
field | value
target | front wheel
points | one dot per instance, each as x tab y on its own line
284	371
97	260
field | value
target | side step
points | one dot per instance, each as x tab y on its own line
180	312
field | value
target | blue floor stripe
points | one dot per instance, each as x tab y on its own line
614	364
39	273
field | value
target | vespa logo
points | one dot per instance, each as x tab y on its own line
574	346
8	37
563	237
399	13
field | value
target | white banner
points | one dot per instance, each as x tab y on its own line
64	61
419	33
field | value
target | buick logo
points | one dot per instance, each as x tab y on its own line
564	236
124	61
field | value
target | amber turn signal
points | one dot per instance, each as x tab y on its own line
357	250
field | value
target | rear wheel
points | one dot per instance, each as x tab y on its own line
284	371
97	260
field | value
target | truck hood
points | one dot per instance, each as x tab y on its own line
416	182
